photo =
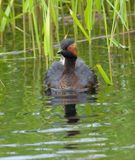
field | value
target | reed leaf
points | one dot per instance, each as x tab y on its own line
115	10
114	24
88	15
36	31
123	12
117	44
47	35
103	74
98	5
2	83
4	20
28	6
54	13
108	44
79	25
74	9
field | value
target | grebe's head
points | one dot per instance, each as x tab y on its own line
68	48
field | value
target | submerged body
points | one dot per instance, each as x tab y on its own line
70	74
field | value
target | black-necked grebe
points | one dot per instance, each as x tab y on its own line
72	73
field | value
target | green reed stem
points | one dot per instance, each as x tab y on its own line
62	15
32	34
35	23
88	15
24	31
74	8
108	44
4	19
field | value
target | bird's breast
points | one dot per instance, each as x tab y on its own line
69	81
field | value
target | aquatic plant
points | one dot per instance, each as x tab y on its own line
42	22
2	83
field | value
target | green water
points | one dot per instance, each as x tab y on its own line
101	128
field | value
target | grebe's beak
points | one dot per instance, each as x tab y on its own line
59	52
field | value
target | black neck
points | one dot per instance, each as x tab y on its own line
69	65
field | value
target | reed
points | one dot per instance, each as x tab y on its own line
74	8
41	22
35	14
79	25
2	83
104	75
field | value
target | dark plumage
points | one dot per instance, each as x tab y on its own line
65	43
72	73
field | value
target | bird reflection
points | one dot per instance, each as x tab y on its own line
69	100
72	117
70	113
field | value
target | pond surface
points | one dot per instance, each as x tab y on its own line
36	126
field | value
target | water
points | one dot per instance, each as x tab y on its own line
35	126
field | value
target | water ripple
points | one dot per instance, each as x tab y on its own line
54	130
82	140
39	156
